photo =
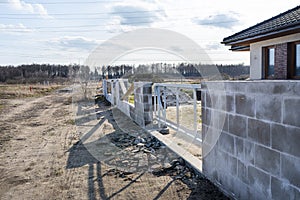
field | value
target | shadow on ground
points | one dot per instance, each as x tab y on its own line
129	156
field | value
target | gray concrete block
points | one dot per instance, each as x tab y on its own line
206	117
295	88
237	86
211	99
282	190
221	120
244	105
280	88
145	98
291	113
241	189
204	130
268	107
209	138
203	115
249	149
216	101
237	125
137	89
268	88
209	165
290	169
139	107
147	89
203	86
267	160
224	122
148	116
226	143
227	181
230	104
226	163
214	119
132	112
259	182
257	194
148	107
259	131
286	139
139	120
239	148
203	99
242	172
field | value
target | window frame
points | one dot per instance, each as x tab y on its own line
266	61
292	60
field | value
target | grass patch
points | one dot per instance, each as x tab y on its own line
1	107
70	121
24	91
56	172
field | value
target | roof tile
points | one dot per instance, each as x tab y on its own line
282	21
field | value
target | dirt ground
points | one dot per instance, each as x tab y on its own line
51	148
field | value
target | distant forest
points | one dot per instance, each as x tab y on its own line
41	73
186	70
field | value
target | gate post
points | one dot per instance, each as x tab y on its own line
143	103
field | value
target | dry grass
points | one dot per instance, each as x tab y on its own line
23	91
1	106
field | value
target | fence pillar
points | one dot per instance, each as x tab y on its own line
104	86
143	103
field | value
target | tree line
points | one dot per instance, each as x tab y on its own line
183	69
39	73
34	73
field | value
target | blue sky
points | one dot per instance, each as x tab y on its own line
66	31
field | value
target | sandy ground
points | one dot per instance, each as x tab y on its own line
53	149
186	120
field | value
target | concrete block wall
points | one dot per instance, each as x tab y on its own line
143	114
257	155
142	111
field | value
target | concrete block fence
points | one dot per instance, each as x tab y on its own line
257	155
142	110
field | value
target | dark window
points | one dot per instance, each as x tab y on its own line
269	62
294	60
297	61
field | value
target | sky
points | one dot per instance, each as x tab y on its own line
67	31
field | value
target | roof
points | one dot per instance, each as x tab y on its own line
282	24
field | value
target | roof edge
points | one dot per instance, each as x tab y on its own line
251	27
271	34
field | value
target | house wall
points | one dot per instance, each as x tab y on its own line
256	62
257	155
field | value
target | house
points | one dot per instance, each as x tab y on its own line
255	153
274	46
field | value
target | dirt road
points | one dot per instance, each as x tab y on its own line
49	149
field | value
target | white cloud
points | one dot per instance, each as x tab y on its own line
14	28
74	42
132	14
221	21
136	15
213	46
29	7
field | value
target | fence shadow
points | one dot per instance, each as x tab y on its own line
94	155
